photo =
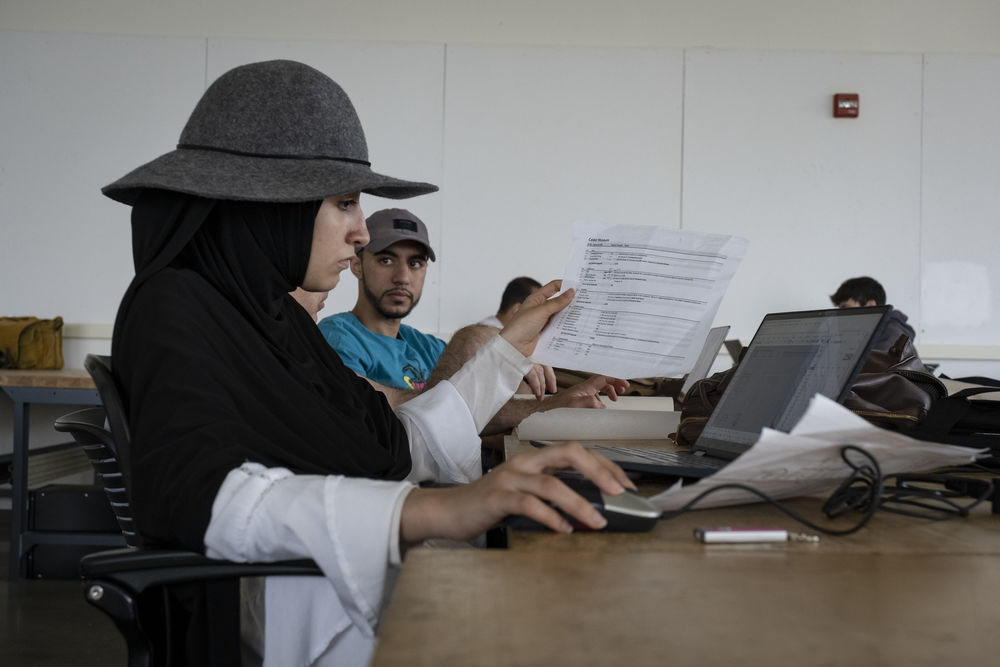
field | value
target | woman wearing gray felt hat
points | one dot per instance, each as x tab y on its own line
276	131
250	438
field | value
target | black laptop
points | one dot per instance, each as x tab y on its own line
792	357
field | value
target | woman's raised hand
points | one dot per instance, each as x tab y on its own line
536	311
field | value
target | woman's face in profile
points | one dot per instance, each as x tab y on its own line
339	229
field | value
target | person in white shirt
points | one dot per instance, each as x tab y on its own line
251	440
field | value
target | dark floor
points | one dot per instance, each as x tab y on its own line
48	623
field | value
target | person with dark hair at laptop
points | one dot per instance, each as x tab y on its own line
514	294
866	291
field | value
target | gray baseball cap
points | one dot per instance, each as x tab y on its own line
391	225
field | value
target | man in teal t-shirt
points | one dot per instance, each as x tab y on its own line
404	361
371	339
399	360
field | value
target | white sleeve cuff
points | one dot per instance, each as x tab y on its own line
443	423
349	526
490	378
444	440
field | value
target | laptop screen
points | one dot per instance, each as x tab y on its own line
792	357
735	348
709	351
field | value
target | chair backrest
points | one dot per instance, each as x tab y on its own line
99	368
172	607
88	429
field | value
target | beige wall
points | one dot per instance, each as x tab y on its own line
884	26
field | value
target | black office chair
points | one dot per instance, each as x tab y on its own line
173	607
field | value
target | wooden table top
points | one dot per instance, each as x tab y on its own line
66	378
774	607
886	533
901	592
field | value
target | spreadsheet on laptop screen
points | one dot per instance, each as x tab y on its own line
792	357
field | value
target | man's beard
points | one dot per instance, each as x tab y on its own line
376	302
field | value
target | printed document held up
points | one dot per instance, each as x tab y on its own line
645	299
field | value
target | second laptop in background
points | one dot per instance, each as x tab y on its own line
703	364
792	357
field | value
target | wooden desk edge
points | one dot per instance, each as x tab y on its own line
66	378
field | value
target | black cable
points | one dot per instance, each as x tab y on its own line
966	468
866	477
937	503
865	490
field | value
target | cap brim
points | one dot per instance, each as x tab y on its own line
218	175
379	247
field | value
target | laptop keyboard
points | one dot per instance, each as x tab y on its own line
662	457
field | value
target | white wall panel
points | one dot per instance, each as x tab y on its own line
820	198
78	112
961	200
523	140
538	137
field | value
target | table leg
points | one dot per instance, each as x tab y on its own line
17	567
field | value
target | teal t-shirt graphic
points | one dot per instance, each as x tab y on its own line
404	362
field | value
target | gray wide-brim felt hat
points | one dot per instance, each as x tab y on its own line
277	131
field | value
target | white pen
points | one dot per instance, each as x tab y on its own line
749	534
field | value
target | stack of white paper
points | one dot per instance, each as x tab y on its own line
628	418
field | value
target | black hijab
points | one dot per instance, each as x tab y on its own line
219	365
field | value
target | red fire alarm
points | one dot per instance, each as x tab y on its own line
845	105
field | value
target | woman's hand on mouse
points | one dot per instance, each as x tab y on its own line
520	486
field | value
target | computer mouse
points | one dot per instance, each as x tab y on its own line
627	512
